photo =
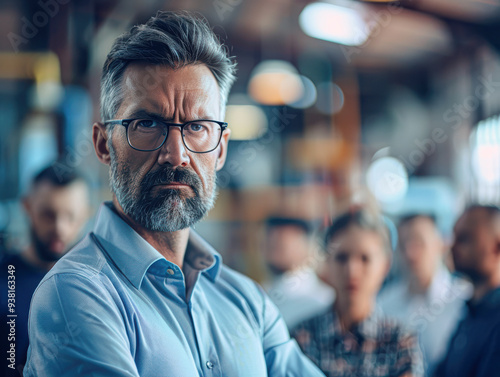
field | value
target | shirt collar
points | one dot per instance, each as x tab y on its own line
440	285
366	329
490	303
134	256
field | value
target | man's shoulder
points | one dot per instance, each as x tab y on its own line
82	273
243	291
85	259
238	281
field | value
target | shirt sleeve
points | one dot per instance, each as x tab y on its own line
76	329
283	355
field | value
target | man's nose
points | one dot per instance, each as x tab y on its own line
61	225
174	152
411	251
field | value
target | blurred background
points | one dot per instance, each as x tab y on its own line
337	103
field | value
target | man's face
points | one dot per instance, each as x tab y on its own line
57	216
420	245
287	248
474	245
171	188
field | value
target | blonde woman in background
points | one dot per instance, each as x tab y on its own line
352	338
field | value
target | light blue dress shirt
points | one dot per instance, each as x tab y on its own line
114	306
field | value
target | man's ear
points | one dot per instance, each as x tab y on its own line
497	247
221	159
100	140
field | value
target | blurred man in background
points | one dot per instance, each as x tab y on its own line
474	349
294	286
57	206
428	299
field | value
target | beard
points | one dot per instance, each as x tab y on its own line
43	250
167	211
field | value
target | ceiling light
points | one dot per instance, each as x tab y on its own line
334	23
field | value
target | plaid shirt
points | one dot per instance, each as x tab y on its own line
377	347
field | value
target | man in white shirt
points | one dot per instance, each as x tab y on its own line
427	297
294	286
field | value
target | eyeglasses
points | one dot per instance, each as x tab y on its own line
147	135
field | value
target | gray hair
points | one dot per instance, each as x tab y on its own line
172	39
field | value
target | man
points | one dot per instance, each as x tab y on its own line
295	288
429	299
57	208
143	294
474	349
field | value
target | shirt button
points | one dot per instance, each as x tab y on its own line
170	271
210	365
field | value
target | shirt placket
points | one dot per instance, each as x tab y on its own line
197	308
209	359
174	278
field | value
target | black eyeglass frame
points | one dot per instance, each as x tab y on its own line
126	122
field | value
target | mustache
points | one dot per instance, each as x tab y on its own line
169	175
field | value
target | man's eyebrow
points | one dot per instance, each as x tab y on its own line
142	113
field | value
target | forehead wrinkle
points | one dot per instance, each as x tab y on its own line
158	107
183	109
179	105
189	104
185	100
202	89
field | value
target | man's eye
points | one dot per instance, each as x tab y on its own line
147	123
195	127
